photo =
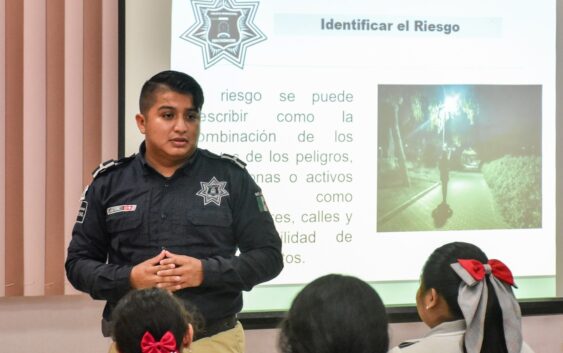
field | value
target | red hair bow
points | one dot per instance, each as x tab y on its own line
166	344
477	270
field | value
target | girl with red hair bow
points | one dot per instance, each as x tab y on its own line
467	301
151	321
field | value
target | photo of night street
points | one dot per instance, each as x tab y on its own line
459	157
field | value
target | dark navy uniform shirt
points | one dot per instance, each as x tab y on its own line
208	209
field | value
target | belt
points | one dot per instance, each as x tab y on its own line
215	327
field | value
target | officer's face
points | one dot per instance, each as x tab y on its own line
171	128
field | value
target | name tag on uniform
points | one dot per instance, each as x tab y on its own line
121	208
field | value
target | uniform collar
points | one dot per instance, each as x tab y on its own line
447	327
147	167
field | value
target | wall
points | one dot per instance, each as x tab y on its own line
58	120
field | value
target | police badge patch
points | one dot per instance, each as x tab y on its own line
212	191
224	29
82	212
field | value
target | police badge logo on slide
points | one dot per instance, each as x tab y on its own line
224	29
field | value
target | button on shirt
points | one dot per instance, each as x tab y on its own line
208	209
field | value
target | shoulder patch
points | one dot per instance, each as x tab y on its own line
234	159
407	344
82	211
110	164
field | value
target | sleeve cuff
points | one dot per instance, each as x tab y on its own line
120	284
211	273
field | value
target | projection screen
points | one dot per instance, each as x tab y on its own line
352	116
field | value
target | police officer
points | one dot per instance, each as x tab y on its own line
173	216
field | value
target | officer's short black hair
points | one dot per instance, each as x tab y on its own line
170	80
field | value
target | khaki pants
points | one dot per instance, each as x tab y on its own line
230	341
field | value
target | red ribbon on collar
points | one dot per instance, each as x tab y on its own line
166	344
477	270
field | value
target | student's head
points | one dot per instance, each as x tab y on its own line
147	315
169	117
335	314
437	276
444	289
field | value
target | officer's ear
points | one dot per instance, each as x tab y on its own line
141	122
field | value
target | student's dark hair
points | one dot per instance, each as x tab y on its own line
335	314
170	80
153	310
438	274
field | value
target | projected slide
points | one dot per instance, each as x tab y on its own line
470	153
381	130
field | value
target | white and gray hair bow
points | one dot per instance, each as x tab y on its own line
473	296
